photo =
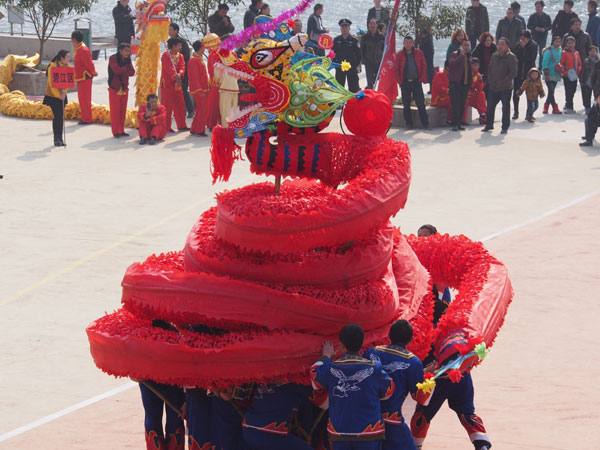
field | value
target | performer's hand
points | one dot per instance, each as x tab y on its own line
429	367
328	349
225	395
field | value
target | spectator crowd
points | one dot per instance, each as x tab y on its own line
481	69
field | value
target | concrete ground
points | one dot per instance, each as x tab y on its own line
74	218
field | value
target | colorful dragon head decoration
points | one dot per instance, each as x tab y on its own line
268	274
152	29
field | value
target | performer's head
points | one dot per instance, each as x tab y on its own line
427	230
401	332
351	338
222	9
174	45
152	100
76	37
197	46
124	50
173	30
63	57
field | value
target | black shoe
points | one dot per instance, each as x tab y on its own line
190	114
81	122
581	144
515	116
184	129
504	131
454	128
461	128
449	123
487	129
143	141
171	130
58	143
198	134
152	140
409	126
117	136
125	134
464	124
427	127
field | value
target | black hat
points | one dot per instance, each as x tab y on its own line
343	22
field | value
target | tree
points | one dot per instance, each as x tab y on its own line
46	14
442	17
194	13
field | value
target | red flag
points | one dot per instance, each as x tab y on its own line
387	78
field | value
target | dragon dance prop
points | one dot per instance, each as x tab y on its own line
153	26
266	276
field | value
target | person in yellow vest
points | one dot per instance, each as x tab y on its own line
228	87
56	99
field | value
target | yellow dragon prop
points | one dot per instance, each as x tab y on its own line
153	25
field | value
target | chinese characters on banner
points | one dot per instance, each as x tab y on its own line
62	77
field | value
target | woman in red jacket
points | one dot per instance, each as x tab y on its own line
571	62
120	69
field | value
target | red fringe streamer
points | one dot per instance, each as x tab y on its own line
223	153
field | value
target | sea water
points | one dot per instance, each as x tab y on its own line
334	10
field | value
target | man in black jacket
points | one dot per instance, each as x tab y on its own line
185	51
526	53
539	24
314	28
123	16
219	23
252	12
381	15
583	41
592	122
562	21
371	48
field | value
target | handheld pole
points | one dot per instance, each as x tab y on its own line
162	397
63	120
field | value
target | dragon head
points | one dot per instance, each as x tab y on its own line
152	14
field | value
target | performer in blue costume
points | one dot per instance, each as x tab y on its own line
460	395
267	422
198	413
173	436
406	370
355	386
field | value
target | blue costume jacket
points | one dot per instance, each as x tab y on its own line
273	405
405	369
356	386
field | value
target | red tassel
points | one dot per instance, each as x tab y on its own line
455	375
223	153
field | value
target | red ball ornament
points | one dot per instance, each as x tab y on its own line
370	115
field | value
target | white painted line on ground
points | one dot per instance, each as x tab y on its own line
64	412
489	237
125	387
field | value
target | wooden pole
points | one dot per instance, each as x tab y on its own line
314	427
162	397
277	185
